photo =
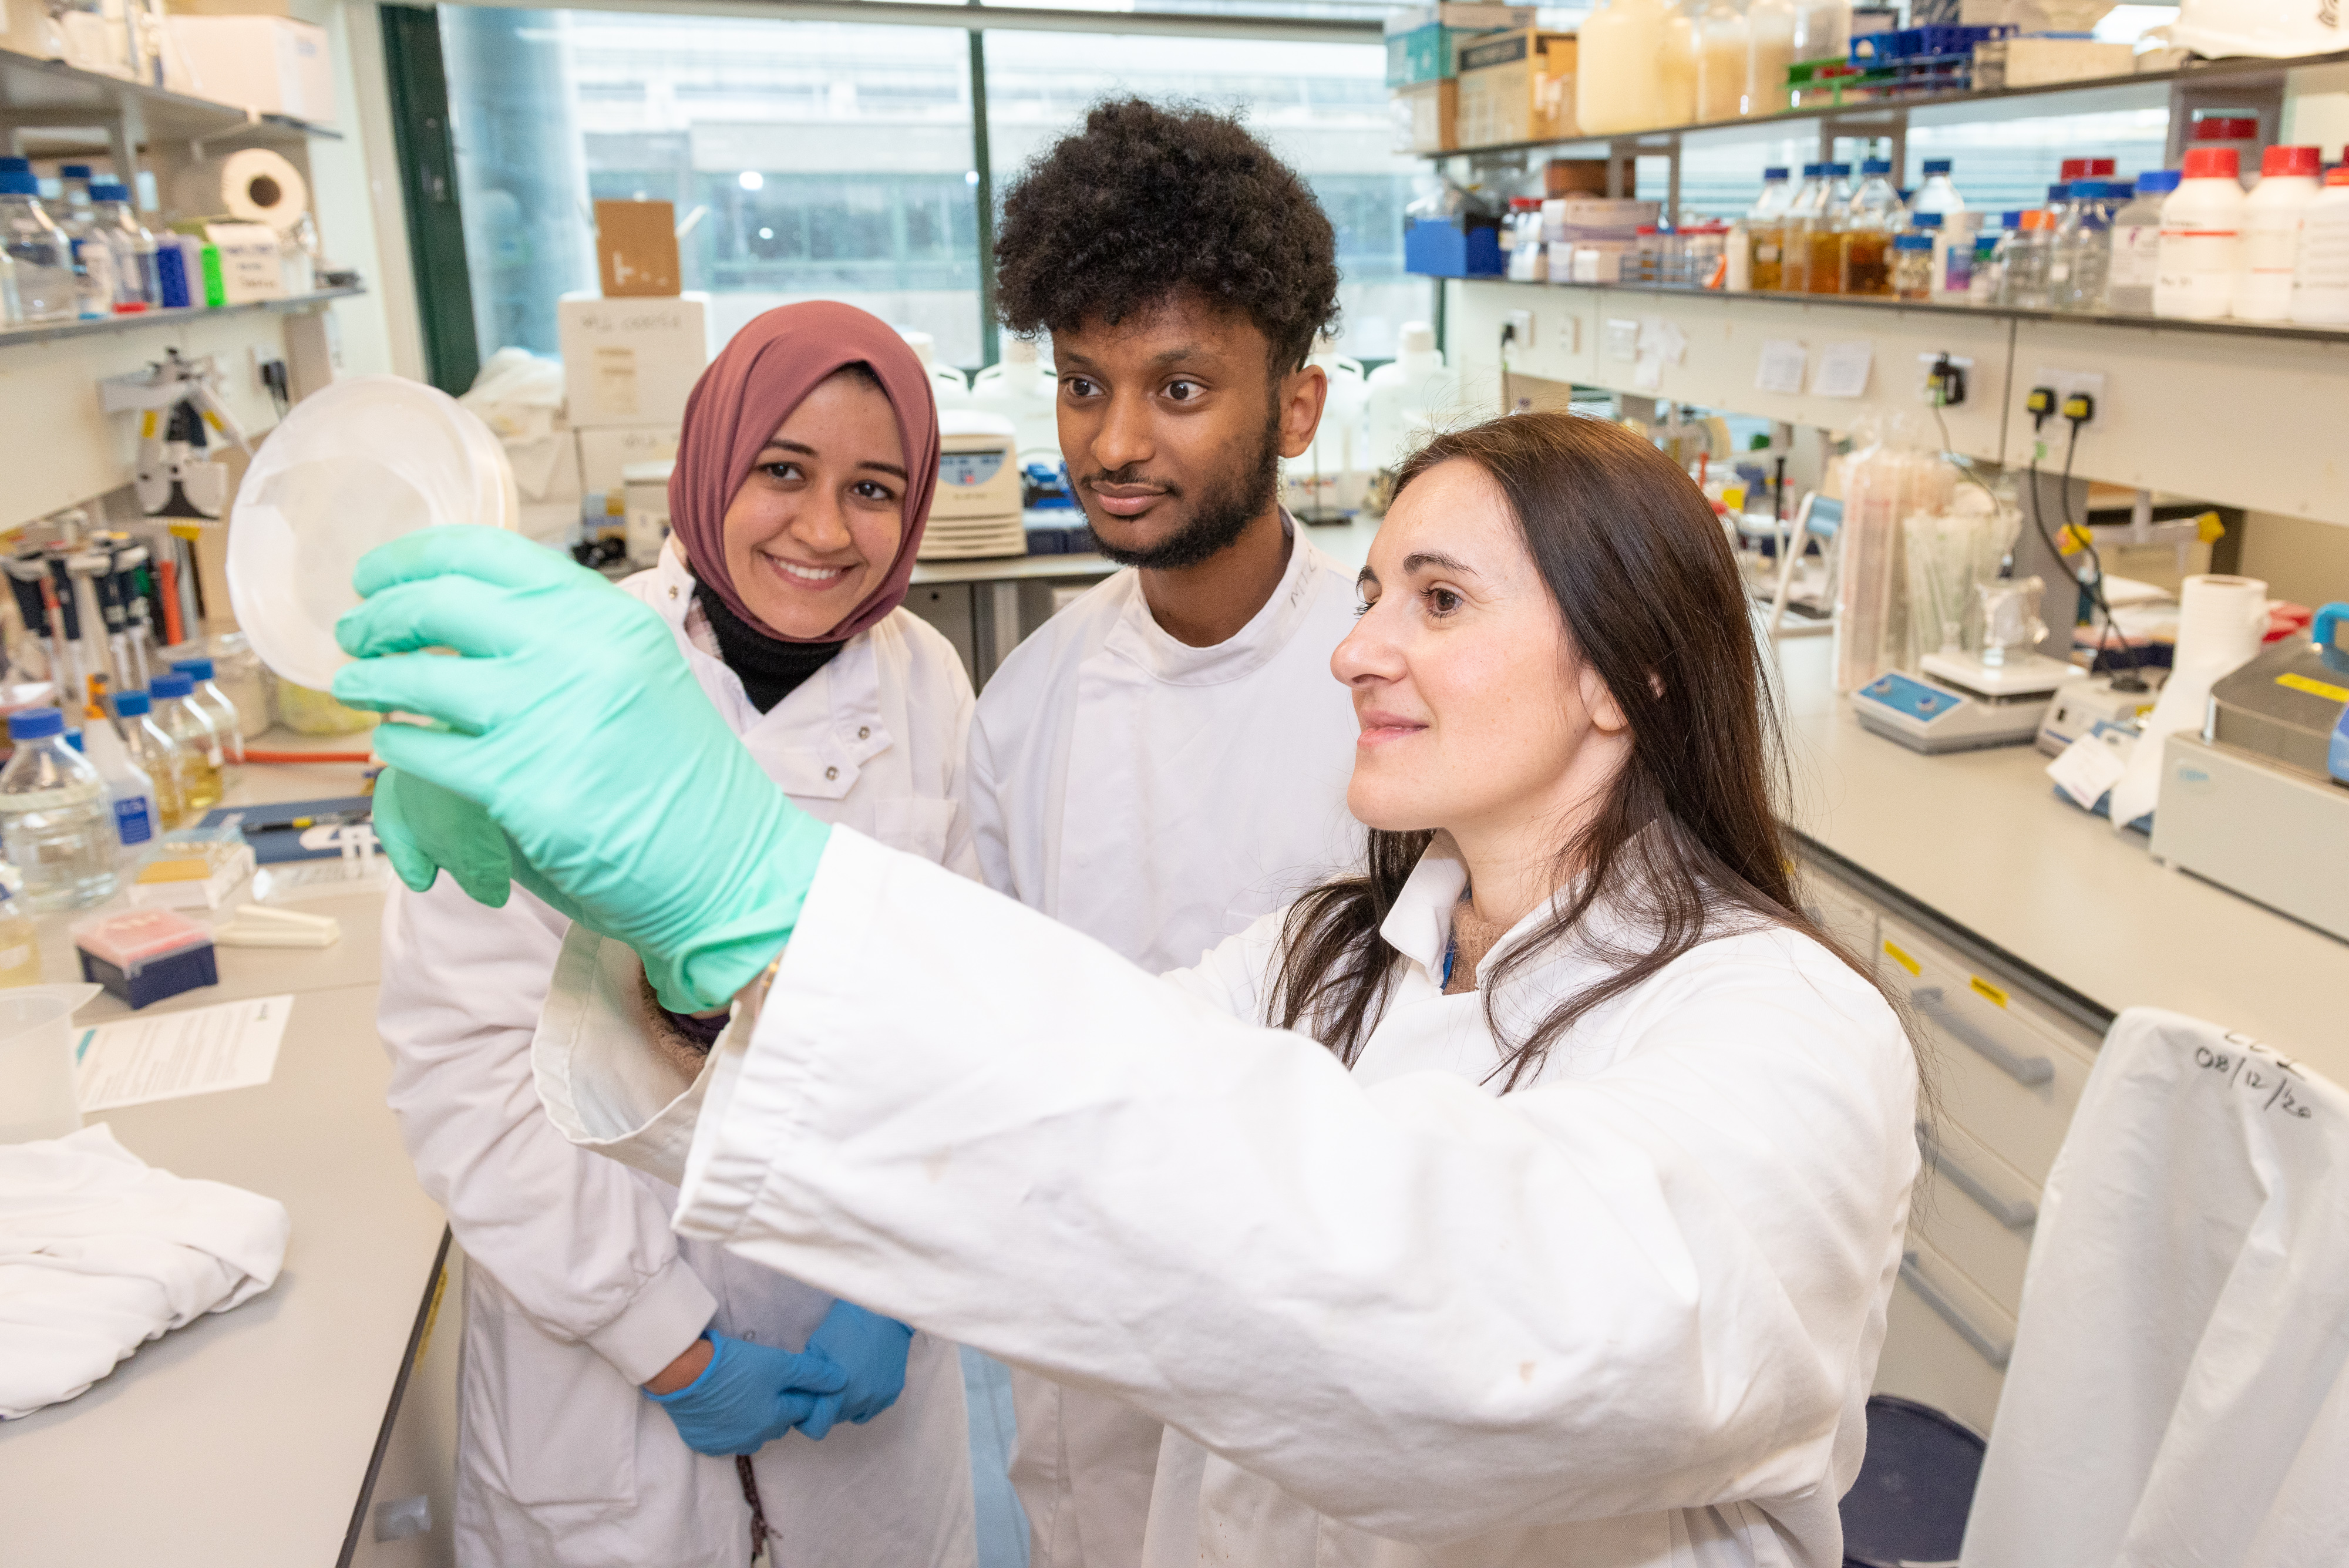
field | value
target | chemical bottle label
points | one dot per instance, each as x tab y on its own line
131	823
2137	251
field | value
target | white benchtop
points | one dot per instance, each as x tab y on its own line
1979	839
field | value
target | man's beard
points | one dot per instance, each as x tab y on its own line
1221	516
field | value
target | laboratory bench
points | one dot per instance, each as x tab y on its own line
2013	926
253	1436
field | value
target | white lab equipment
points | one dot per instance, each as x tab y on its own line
2272	214
355	465
2320	279
1022	388
946	383
1963	701
579	1291
1236	1182
1119	784
1412	390
2150	1368
36	1061
977	509
644	488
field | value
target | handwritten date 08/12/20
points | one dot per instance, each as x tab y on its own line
2257	1072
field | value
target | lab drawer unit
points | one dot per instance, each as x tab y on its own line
1946	1342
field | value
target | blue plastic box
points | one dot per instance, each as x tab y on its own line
1441	247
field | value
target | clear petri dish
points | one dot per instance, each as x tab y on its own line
353	466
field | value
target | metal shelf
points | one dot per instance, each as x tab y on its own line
2230	328
2262	74
49	96
50	331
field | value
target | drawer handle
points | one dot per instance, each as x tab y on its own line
2014	1213
1989	1347
2028	1071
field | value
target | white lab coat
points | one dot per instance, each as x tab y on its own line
2180	1388
1158	798
1627	1315
578	1291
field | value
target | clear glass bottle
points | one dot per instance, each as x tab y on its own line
136	287
1765	230
1937	194
2086	257
53	817
20	944
193	733
2030	255
152	752
45	287
1987	282
1822	240
1795	245
1876	216
1912	266
2133	253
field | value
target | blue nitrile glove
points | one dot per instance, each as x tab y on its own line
749	1395
576	724
872	1350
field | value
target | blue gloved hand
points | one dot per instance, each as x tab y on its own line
749	1395
872	1350
574	723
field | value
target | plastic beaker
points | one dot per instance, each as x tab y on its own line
36	1061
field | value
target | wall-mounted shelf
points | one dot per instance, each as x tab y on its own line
43	102
2260	76
2255	329
50	331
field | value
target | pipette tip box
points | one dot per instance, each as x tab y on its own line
145	955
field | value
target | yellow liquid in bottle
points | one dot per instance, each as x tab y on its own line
1768	250
20	949
1823	273
1867	262
202	782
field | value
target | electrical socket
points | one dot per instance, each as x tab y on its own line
1928	363
1523	321
2067	382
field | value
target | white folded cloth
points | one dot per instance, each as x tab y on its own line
100	1252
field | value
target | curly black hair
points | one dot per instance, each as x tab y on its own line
1148	201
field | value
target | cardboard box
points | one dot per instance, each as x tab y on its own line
1575	177
635	250
270	65
2035	62
605	454
1426	117
1517	86
631	361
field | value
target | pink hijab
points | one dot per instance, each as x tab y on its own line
772	363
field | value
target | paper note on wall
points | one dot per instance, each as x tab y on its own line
1843	368
1623	339
1781	369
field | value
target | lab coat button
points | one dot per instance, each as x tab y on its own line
672	590
832	772
863	732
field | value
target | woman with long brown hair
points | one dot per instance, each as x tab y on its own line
1533	1197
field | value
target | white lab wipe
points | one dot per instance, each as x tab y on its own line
1625	1315
1156	797
578	1291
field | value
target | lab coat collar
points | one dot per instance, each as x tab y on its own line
1140	638
1419	926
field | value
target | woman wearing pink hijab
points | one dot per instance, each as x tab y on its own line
627	1395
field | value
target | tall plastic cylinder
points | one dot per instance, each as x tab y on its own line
1619	78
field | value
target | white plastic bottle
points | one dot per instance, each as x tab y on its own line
945	382
2137	246
53	816
154	753
1937	194
1022	388
45	289
2201	239
1619	79
1339	459
2320	279
129	792
1407	394
2271	217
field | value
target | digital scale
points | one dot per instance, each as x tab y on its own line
1965	704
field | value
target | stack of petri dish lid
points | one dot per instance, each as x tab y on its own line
353	466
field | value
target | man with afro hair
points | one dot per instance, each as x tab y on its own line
1167	758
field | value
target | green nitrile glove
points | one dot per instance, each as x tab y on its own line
574	723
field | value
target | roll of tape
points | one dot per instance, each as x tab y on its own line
254	186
